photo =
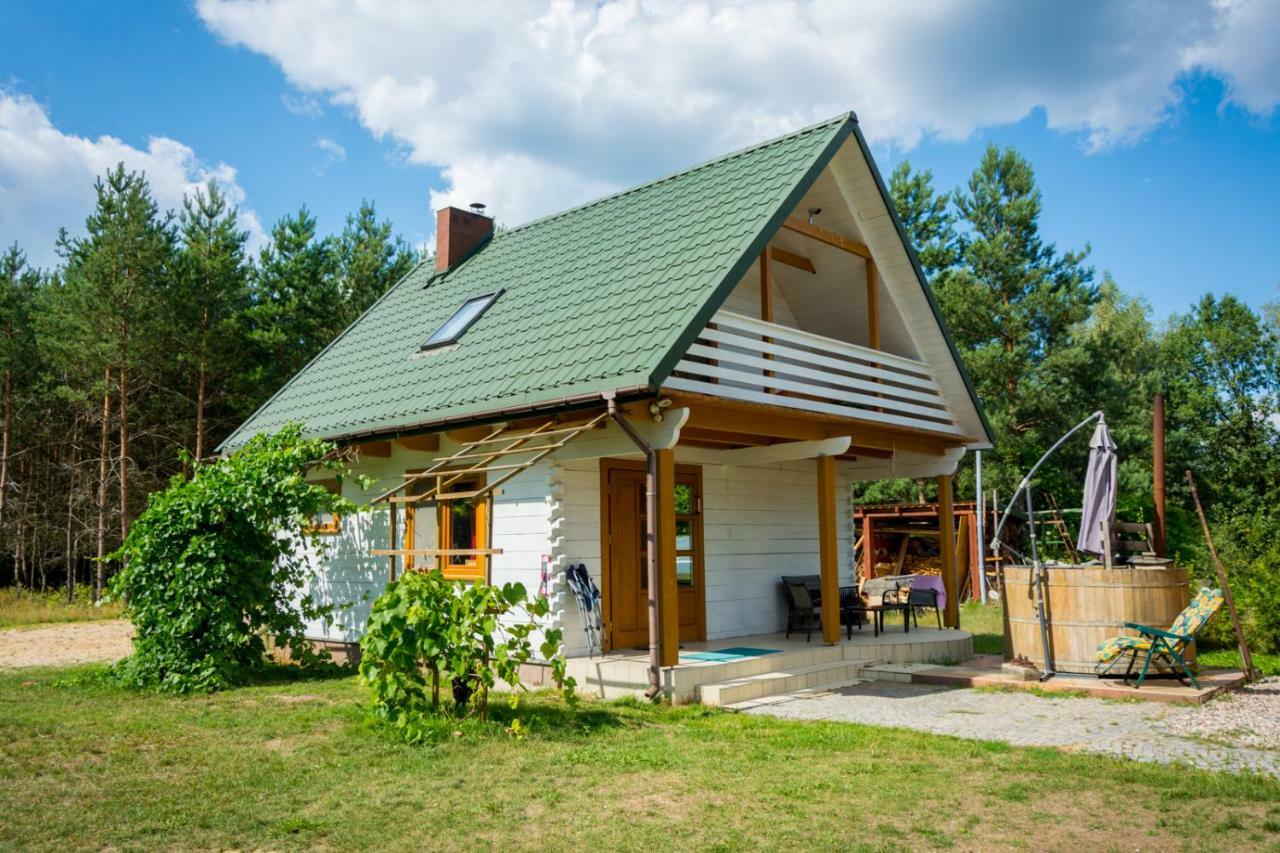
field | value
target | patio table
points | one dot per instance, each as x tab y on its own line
878	611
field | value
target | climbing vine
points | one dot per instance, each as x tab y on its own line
218	564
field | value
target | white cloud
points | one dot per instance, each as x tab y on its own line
531	107
307	106
333	153
47	177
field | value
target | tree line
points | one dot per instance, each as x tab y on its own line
158	332
154	337
1047	341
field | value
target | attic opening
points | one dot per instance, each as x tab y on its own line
461	320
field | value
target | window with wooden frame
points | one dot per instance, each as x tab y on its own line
464	526
327	523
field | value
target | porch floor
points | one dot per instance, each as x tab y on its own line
740	668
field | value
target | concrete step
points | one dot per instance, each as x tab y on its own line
787	680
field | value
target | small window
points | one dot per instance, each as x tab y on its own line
461	320
463	525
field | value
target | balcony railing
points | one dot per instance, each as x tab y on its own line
742	358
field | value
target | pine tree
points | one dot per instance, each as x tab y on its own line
210	299
1014	305
927	216
18	284
370	261
296	295
119	272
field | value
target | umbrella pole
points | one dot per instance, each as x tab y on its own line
1037	576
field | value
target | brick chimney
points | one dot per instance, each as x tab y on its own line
458	232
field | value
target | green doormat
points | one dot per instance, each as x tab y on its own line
731	653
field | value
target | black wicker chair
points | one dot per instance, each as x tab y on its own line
804	606
923	599
803	610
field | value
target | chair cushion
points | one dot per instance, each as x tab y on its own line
1204	605
1116	646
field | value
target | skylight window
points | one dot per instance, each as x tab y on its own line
457	325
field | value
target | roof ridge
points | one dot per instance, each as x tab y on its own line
842	117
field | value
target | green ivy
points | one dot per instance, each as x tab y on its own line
217	565
426	632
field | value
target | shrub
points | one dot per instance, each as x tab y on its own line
216	564
465	638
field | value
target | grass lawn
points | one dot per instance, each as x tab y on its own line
984	622
84	764
27	607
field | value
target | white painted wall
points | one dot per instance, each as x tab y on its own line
759	523
350	579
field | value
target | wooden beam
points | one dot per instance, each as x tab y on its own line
868	548
873	452
425	443
873	306
966	566
668	589
707	412
947	549
766	284
690	435
791	259
828	550
766	296
435	552
823	235
786	451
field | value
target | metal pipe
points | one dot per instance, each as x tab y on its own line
1026	481
1157	470
651	537
1037	579
980	523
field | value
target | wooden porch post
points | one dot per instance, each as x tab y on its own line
668	591
947	547
828	552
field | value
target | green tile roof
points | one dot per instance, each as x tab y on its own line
596	298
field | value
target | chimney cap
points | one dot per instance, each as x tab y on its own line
477	207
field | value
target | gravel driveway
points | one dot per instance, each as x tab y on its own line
64	644
1240	732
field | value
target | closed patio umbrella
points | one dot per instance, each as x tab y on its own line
1099	500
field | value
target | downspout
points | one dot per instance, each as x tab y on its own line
651	535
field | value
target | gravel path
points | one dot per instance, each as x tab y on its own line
65	644
1241	727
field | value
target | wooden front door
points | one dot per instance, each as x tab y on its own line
624	518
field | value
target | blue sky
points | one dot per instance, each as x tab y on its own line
1168	164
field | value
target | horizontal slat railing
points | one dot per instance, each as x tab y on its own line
742	358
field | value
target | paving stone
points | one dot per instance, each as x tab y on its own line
1140	731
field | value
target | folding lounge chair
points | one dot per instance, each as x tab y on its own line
1168	646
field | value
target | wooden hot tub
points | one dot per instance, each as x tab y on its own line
1085	606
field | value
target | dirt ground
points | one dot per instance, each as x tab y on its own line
68	643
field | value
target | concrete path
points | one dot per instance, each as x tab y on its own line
1141	731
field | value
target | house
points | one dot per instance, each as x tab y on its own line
705	361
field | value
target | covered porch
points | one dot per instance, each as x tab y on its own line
740	495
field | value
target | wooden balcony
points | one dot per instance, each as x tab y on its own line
741	358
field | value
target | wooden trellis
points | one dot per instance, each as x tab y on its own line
499	456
